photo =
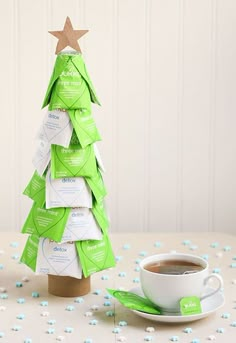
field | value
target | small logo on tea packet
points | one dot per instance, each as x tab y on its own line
190	305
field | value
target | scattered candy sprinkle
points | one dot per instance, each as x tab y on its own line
44	303
19	284
157	244
2	334
20	316
70	308
150	329
3	296
50	330
148	338
211	338
28	340
186	242
16	328
21	300
60	338
188	330
227	248
126	246
88	314
195	340
97	292
45	314
52	321
143	253
110	313
105	277
35	294
174	339
233	265
88	340
122	339
116	330
216	270
122	323
118	258
225	315
220	330
214	245
79	300
107	303
122	274
233	324
69	329
136	280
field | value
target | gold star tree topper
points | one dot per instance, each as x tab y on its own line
68	37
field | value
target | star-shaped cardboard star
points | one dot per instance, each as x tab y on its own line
68	37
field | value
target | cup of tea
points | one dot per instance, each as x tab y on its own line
167	278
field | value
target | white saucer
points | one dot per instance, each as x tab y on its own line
209	306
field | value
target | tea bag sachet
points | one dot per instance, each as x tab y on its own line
48	223
97	186
100	215
67	192
41	157
35	189
56	128
134	301
70	86
84	126
81	225
95	255
30	252
73	161
57	259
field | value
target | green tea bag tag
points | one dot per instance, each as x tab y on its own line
30	253
190	305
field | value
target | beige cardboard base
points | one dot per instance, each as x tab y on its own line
67	286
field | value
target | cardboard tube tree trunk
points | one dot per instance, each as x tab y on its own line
67	286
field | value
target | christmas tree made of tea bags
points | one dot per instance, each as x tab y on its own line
67	224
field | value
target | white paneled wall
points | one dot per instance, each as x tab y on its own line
165	72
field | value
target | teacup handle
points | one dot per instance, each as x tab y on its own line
220	280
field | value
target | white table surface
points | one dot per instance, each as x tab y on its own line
90	319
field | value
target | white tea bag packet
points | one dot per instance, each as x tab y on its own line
41	157
67	192
98	158
81	225
56	128
58	259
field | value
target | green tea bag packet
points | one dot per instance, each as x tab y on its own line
73	161
67	192
84	126
99	159
56	128
97	186
46	223
35	189
41	157
30	252
81	225
134	301
70	86
95	255
58	259
100	215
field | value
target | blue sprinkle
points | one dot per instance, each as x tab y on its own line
136	280
137	269
123	323
93	322
214	245
2	334
233	324
108	296
118	258
70	308
116	330
233	265
205	257
44	303
220	330
28	340
227	248
143	253
174	338
105	277
157	244
234	258
126	246
138	260
15	256
148	338
52	321
1	266
50	330
107	303
68	329
188	330
186	242
20	316
216	270
195	340
97	292
79	300
3	296
35	294
193	247
19	284
122	274
110	313
21	300
16	328
88	340
225	315
14	244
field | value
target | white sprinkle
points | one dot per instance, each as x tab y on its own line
219	254
150	329
2	308
234	282
45	314
25	279
88	314
94	307
122	339
60	338
211	338
3	290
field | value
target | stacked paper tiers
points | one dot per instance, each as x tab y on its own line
68	225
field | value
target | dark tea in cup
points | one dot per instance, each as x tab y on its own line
173	267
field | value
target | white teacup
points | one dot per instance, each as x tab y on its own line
166	289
